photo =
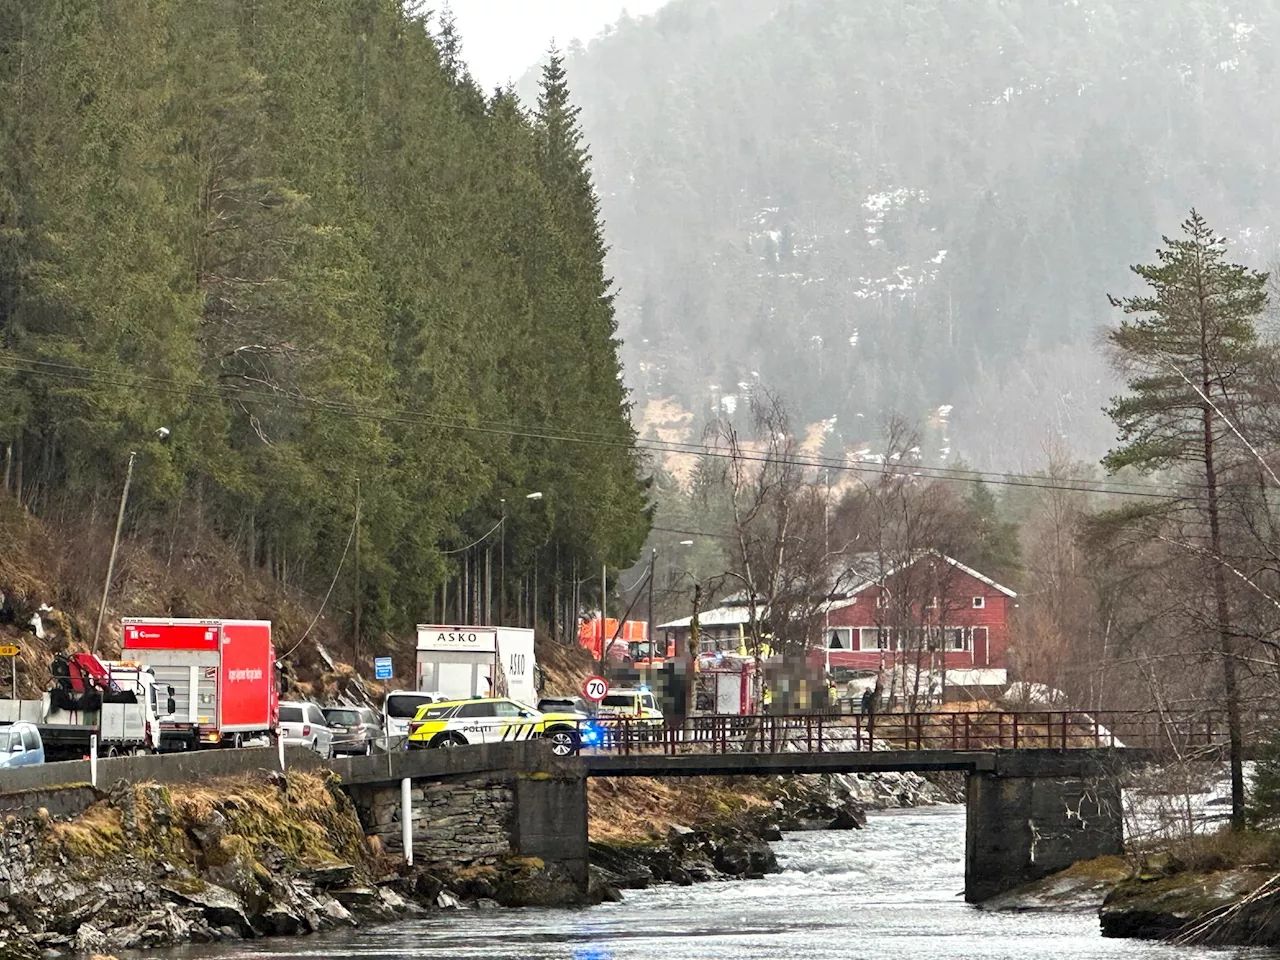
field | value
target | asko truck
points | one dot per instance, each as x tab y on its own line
223	675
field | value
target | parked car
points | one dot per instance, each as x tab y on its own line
399	707
575	705
303	723
20	745
356	730
456	723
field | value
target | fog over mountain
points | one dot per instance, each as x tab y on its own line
915	206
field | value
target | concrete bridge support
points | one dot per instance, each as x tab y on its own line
1035	815
492	806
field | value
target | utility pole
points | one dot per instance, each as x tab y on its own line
115	545
502	570
653	564
488	585
604	593
355	636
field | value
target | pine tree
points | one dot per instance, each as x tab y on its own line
1189	355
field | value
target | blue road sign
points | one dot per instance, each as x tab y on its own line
382	668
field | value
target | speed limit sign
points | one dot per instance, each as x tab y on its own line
595	688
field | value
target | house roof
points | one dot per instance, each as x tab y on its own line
735	610
730	616
850	597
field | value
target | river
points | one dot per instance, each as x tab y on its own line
889	891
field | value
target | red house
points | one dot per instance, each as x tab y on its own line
929	611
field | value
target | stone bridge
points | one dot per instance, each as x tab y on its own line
1030	811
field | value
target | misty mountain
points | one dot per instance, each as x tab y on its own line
916	206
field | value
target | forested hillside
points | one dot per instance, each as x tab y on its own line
920	204
297	236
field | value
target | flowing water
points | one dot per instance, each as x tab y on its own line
889	891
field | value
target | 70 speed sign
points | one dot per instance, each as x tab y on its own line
595	688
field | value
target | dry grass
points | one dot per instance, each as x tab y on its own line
1223	850
308	821
634	809
95	834
565	667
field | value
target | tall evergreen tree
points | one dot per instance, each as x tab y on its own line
1188	355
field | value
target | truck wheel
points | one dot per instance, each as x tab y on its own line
564	742
449	740
238	742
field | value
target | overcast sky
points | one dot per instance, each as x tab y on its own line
503	38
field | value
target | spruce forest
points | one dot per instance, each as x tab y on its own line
296	235
916	207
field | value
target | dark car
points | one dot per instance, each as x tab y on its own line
356	730
566	705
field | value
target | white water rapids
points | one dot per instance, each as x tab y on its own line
890	891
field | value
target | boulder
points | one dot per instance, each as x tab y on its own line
357	898
334	914
89	939
447	901
209	830
279	920
219	906
330	875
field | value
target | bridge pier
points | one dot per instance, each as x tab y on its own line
484	805
1034	815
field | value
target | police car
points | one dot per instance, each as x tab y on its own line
456	723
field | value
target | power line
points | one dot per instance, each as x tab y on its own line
227	393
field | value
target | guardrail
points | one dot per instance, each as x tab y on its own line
960	731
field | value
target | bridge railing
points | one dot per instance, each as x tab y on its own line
942	730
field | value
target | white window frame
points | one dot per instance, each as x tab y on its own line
979	603
875	638
846	635
965	635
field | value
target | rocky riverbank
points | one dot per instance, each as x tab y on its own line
150	866
1160	900
268	855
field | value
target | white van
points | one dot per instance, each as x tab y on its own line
399	707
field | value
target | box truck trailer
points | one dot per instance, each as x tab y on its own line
223	674
459	662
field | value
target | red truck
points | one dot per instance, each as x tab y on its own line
223	675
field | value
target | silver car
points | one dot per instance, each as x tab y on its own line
20	745
303	723
356	730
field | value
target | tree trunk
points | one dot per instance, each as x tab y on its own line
1226	642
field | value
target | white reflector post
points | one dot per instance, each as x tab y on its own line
406	819
93	759
280	748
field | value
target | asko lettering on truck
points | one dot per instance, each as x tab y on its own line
458	637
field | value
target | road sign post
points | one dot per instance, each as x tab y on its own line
595	688
382	668
11	651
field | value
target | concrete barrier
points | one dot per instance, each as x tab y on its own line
158	768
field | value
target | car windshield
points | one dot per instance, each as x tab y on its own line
342	716
619	700
290	714
405	706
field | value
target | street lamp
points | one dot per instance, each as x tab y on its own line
502	558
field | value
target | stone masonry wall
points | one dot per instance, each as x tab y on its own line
454	821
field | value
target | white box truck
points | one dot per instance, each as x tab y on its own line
464	661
